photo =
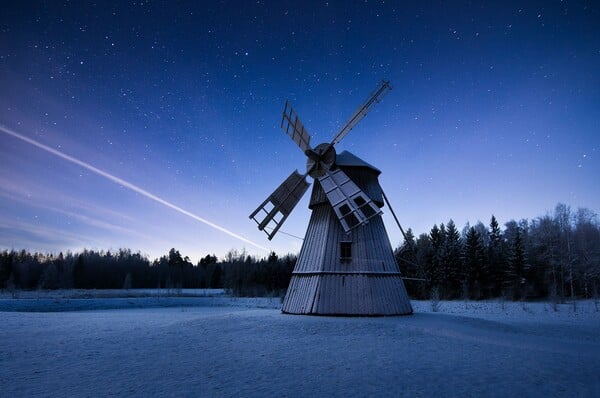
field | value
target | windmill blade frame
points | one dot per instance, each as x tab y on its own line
376	95
273	212
351	205
294	127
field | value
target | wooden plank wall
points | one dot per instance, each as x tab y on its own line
369	284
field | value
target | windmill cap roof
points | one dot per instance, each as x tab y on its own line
348	159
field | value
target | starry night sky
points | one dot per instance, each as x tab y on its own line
495	110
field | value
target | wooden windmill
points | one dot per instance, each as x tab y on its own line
346	265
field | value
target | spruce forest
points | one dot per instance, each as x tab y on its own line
556	256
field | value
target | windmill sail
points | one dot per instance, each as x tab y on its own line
292	126
351	205
376	96
273	212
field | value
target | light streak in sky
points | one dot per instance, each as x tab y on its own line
127	185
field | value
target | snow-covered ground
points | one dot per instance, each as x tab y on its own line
87	300
230	347
108	293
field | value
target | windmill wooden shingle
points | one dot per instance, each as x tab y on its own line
346	265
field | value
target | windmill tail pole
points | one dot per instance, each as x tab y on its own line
398	223
410	243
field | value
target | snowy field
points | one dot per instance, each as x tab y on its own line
220	346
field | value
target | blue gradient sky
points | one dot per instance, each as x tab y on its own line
495	110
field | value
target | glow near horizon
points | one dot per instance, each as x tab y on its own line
127	185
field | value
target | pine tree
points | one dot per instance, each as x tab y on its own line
408	262
215	279
6	267
406	255
474	260
452	260
496	259
409	242
272	258
79	273
515	276
434	269
176	264
49	277
424	252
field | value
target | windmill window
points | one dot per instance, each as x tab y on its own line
345	251
348	216
360	201
344	209
351	220
364	207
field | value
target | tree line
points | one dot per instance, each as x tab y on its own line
242	274
555	256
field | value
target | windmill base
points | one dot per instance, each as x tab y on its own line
352	294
